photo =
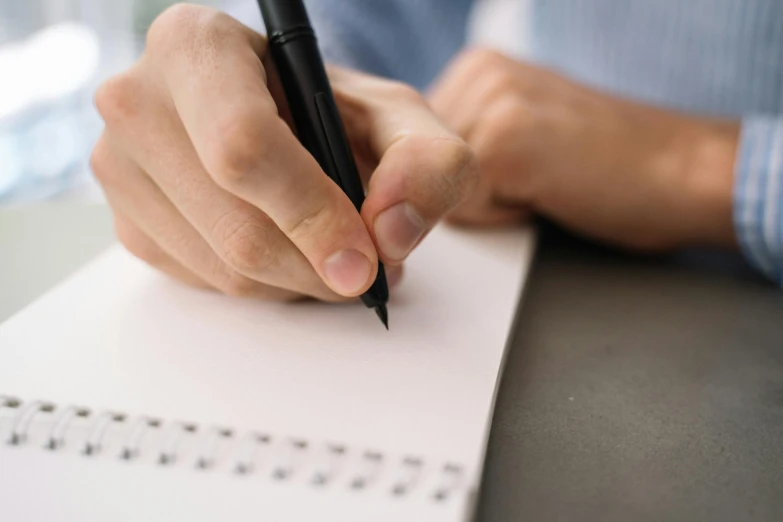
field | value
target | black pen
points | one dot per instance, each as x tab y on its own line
318	124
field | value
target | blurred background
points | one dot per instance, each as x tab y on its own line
54	54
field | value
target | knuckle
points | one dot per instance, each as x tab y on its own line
117	99
239	145
99	162
449	181
506	117
460	166
172	24
501	81
247	244
502	134
481	58
195	31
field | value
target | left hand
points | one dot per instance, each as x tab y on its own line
626	173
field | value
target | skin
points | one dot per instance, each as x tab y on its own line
635	176
208	183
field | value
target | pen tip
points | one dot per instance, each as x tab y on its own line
383	314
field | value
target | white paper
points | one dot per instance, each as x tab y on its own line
121	337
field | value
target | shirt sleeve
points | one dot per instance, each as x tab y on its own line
758	194
408	40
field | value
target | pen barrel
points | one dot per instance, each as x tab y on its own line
281	16
316	118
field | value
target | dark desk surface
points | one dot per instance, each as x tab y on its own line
636	390
640	390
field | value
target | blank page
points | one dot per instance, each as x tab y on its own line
119	336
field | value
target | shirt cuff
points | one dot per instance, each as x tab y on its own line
758	194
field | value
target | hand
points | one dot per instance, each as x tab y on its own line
209	184
633	175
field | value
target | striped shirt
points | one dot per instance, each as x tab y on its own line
716	57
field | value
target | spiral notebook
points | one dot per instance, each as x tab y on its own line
125	396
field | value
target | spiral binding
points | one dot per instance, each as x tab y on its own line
211	446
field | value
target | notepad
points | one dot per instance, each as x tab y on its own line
126	396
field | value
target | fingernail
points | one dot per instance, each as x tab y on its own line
347	272
398	229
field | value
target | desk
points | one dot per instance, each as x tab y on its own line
635	389
640	390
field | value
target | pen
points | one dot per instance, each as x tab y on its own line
318	124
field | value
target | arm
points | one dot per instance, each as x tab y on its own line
408	40
758	194
629	174
637	176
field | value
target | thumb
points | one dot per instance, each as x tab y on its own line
424	170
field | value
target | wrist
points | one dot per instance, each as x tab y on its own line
707	184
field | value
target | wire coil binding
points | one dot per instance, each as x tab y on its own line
167	444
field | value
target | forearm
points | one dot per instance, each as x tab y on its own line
703	172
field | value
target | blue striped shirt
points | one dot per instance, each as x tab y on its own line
717	57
